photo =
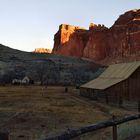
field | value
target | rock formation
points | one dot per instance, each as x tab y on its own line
122	40
68	40
42	50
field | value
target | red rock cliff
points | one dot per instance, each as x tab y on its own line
100	42
70	40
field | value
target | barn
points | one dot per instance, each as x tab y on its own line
117	83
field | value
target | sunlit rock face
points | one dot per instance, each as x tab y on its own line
70	40
97	47
42	50
99	42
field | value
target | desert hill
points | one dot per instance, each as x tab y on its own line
121	42
52	69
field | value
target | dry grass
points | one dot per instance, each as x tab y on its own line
35	112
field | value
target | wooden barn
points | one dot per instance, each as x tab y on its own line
117	83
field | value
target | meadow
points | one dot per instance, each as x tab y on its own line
36	112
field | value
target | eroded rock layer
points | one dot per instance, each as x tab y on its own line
42	50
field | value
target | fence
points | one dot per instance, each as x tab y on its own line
111	99
114	122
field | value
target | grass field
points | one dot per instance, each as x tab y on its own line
35	112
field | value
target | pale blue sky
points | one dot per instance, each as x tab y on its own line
29	24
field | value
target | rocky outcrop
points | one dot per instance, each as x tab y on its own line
70	40
42	50
122	40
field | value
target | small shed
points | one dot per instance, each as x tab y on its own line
118	82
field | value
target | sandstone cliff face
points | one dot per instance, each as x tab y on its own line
122	40
70	40
97	47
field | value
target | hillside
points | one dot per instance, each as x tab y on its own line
121	42
55	69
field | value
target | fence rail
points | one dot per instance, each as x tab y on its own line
109	123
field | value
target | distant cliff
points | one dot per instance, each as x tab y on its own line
42	50
98	43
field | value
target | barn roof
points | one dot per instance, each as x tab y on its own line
113	75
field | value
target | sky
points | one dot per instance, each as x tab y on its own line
30	24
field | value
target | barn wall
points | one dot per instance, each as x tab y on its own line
134	85
90	93
119	90
128	89
85	92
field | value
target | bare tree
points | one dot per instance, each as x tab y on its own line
41	70
44	70
76	75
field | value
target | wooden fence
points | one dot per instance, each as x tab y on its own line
68	135
109	123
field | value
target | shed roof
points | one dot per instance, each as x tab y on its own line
113	75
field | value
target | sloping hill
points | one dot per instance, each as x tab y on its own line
55	69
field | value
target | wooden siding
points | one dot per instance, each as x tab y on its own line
128	89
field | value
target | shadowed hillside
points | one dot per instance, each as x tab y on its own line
48	68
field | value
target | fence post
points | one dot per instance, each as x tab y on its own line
66	89
115	132
114	129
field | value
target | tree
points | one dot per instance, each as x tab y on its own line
77	74
41	71
44	70
17	72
